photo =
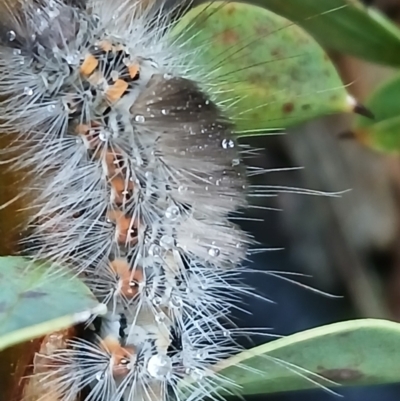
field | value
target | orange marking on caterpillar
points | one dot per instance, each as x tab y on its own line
121	189
128	279
89	135
114	164
126	231
119	48
105	46
116	91
133	70
120	356
89	65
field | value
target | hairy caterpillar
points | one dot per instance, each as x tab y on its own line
126	149
135	175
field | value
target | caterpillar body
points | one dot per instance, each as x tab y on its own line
136	173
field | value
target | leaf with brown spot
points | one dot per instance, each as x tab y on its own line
34	303
346	26
357	352
262	67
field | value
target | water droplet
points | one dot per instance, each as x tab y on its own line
214	252
167	242
139	118
227	144
16	52
160	317
99	376
207	102
226	333
72	59
96	18
172	213
157	301
164	112
235	162
51	107
159	366
176	302
202	354
28	91
196	374
114	75
104	136
11	35
168	75
154	250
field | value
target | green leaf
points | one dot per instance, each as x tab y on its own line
382	133
34	302
359	352
273	73
343	25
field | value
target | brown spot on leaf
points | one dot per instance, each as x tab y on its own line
229	37
33	294
230	9
3	306
276	53
288	107
341	375
256	78
262	30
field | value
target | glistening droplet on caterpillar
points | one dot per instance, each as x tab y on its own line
135	172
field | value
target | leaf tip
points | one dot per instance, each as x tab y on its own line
358	108
98	310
